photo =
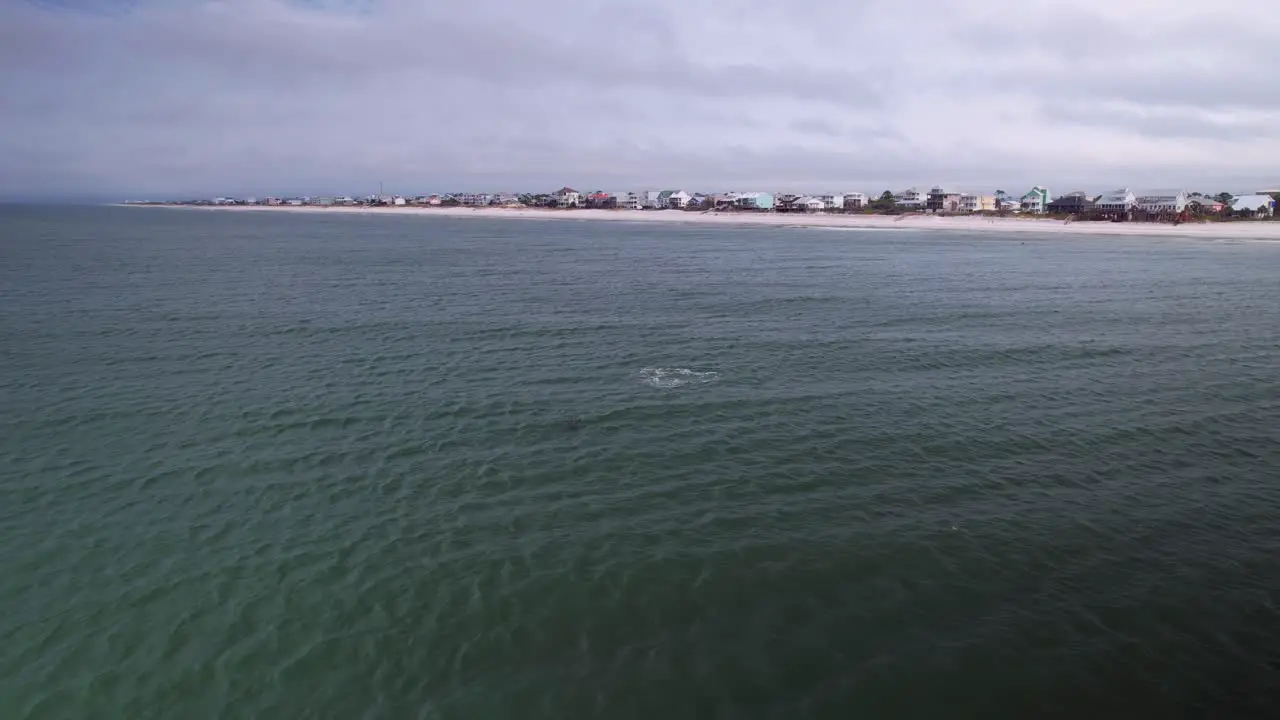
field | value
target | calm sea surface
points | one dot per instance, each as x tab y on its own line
349	467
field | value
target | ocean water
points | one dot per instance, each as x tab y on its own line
278	466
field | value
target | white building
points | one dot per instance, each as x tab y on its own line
1162	201
1261	205
832	202
675	199
910	199
1116	201
855	201
809	204
567	197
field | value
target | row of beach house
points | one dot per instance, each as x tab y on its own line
1119	204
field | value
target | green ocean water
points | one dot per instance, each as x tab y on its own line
297	466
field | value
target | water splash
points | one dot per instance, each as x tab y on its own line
675	377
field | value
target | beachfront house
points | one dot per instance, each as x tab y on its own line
854	200
942	200
807	203
1200	204
650	199
626	200
1255	205
673	199
910	199
567	197
1161	202
1036	200
785	202
473	199
1073	203
973	203
599	200
832	202
723	201
1117	204
753	201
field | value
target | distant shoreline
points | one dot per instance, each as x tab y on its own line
1259	230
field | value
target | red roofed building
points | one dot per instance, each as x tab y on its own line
601	200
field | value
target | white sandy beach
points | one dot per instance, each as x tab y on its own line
1248	230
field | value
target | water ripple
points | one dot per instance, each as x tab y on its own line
351	467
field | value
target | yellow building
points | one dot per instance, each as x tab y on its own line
977	203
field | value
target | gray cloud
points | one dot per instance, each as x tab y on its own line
226	96
1164	122
1139	52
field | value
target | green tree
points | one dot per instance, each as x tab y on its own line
882	203
1223	197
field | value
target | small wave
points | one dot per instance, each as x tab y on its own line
675	377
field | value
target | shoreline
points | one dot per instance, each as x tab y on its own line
1241	230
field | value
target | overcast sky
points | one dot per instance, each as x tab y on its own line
151	98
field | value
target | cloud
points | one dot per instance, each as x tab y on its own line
182	97
1176	122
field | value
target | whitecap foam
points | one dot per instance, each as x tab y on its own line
675	377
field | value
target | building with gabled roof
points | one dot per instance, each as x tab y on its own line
1158	202
1117	204
1036	200
1258	205
1073	203
567	197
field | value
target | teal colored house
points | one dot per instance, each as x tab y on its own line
1036	200
753	201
